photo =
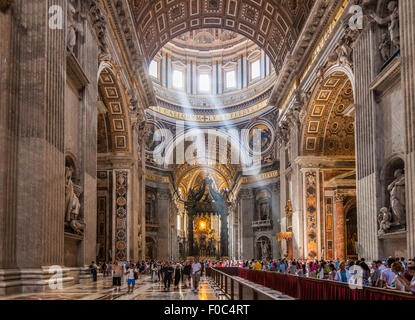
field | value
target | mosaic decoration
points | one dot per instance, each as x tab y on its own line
153	146
121	201
311	213
267	137
329	227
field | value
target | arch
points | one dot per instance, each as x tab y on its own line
327	131
115	102
233	140
191	176
273	25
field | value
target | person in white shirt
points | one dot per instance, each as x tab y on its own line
131	272
387	276
343	275
196	270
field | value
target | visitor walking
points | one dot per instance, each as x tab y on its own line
94	271
131	276
196	270
116	275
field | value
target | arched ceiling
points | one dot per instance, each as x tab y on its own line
112	96
327	131
273	25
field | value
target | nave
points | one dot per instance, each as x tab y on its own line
145	290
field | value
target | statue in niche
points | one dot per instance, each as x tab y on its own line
74	28
385	47
73	218
392	20
397	198
384	219
264	249
264	210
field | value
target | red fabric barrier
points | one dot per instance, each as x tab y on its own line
336	291
373	295
313	289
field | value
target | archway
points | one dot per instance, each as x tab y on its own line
329	142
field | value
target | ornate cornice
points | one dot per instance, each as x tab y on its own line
318	20
122	19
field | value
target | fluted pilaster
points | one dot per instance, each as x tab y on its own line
364	62
407	25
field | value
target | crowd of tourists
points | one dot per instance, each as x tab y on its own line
186	273
391	273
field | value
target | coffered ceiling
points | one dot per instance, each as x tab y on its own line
273	25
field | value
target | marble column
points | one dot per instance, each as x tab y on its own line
33	213
248	211
163	214
367	181
340	227
407	26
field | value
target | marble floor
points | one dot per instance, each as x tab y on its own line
145	289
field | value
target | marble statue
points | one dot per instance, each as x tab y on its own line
72	204
385	47
74	28
264	249
264	211
384	219
397	198
392	20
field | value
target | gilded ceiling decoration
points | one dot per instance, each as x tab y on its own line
273	25
327	130
190	177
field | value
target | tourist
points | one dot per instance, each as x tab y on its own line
167	275
365	273
293	267
131	272
116	275
196	269
155	273
186	274
321	270
177	274
343	275
94	270
387	275
104	268
283	267
257	266
375	275
411	271
399	281
312	272
333	272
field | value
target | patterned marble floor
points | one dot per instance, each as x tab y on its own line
145	289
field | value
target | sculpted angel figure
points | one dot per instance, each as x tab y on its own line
384	219
74	28
392	20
